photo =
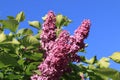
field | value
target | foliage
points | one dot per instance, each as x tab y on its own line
21	53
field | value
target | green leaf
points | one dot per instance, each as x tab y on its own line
14	41
34	56
62	21
14	77
83	59
2	37
7	59
91	61
108	73
10	17
25	31
1	64
1	75
59	20
91	66
10	24
58	31
21	61
93	76
67	21
35	24
30	67
37	72
29	41
115	57
1	29
20	17
103	63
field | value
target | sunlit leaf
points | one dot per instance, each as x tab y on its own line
62	21
10	24
20	17
116	57
2	37
29	41
103	63
35	24
25	31
108	73
59	20
91	66
14	41
91	61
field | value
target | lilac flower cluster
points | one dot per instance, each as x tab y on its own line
77	40
60	51
48	32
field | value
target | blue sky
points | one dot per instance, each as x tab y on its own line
104	38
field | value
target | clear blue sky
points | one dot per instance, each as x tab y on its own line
104	38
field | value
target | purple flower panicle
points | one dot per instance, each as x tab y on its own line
60	51
48	30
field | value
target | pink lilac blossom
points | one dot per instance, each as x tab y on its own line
60	51
48	31
57	61
77	40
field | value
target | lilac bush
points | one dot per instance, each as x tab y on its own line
21	52
61	50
